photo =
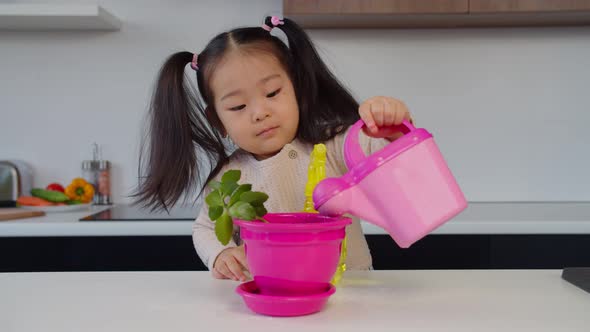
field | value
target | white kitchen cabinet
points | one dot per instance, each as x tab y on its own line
41	17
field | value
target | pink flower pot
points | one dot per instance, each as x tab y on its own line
294	253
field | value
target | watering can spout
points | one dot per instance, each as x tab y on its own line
339	198
346	202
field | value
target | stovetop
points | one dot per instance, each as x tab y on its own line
131	213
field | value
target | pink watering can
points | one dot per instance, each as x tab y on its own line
405	188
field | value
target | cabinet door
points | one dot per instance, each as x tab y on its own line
527	6
374	13
436	14
529	12
317	7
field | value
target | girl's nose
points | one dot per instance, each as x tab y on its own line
261	114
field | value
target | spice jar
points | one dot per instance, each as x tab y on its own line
98	173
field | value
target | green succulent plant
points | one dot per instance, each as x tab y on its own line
229	199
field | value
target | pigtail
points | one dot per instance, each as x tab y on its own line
178	130
326	107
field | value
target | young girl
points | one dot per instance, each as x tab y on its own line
273	102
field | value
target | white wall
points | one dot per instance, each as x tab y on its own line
508	107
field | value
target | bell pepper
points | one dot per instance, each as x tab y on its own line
80	190
55	187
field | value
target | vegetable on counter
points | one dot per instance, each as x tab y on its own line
50	195
55	187
80	190
32	201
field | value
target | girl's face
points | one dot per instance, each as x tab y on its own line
255	101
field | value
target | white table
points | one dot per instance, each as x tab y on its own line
476	300
478	218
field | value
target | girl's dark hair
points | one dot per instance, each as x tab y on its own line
185	134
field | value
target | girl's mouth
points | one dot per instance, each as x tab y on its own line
267	131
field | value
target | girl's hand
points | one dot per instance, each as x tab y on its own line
231	264
380	114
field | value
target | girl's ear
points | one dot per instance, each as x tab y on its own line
213	119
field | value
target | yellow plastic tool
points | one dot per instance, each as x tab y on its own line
316	172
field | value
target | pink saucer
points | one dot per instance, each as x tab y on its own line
285	306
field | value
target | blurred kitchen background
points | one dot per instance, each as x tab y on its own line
508	106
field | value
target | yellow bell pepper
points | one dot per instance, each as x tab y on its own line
80	190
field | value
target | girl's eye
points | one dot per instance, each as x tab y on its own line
237	108
274	93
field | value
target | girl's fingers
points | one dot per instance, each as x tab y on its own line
225	271
236	269
241	258
218	275
388	114
367	117
377	112
409	117
401	111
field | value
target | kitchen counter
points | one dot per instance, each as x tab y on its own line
478	218
445	300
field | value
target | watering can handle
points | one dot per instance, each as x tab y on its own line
353	154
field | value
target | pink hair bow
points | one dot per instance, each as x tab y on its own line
274	20
194	64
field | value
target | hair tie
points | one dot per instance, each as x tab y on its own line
194	64
274	20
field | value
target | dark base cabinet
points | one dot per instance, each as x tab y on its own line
176	253
100	253
482	252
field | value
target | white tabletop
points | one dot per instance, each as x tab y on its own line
458	300
478	218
